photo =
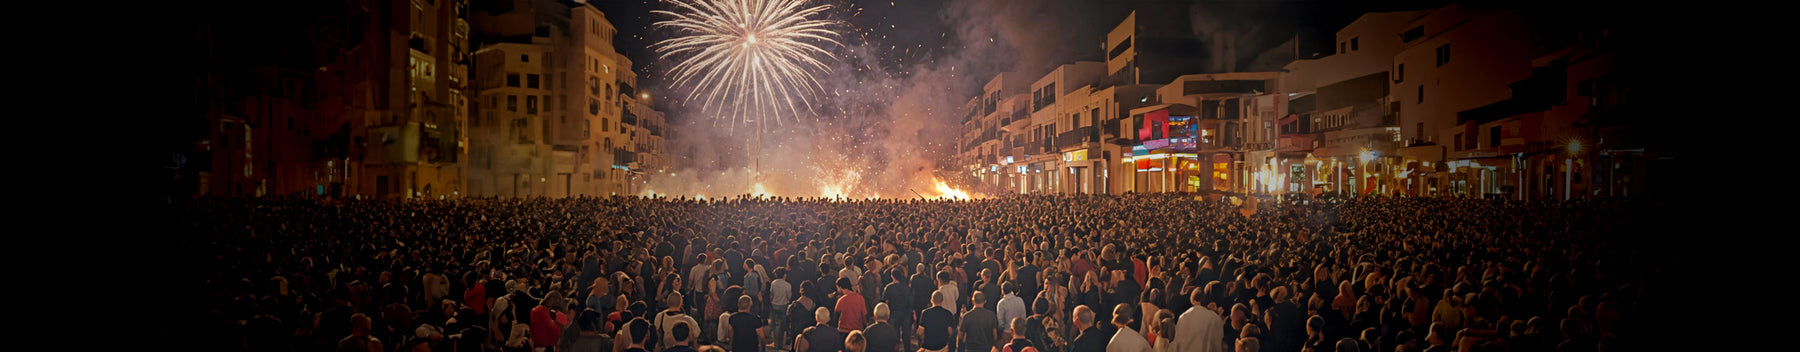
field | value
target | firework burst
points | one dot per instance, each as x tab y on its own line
748	60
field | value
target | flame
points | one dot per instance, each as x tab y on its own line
832	192
758	191
945	191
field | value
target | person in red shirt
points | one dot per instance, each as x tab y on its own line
476	296
851	309
548	320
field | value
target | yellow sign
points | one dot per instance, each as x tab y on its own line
1079	155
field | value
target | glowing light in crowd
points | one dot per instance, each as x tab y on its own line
831	191
748	58
758	191
946	191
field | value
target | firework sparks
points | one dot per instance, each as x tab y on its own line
748	59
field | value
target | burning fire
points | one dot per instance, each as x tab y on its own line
832	192
758	191
945	191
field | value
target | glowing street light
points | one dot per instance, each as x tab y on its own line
1574	147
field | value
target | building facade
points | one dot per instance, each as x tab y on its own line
566	119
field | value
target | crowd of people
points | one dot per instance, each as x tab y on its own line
1132	273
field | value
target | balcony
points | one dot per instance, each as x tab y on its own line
623	157
628	118
1076	137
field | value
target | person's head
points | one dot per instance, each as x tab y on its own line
844	285
943	277
1240	313
640	331
1435	336
681	332
1084	317
822	315
882	312
360	324
1315	325
554	300
855	341
744	303
1347	345
1249	344
1007	288
674	300
937	298
1166	328
978	299
1122	314
1017	326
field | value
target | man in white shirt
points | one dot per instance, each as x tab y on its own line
665	321
1127	339
1200	329
949	287
1011	306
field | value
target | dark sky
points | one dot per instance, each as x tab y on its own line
919	31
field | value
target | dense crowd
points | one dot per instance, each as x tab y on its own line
1126	273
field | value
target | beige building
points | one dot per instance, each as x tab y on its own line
1453	59
1051	117
414	113
566	119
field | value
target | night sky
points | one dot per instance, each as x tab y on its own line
918	32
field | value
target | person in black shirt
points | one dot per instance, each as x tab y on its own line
1090	338
882	336
898	296
1028	277
821	337
936	325
746	328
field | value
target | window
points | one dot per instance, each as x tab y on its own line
512	80
512	103
1421	94
1443	54
1459	141
594	85
1412	34
524	57
1343	47
531	81
1399	73
1419	130
593	106
546	101
531	104
1494	136
1353	44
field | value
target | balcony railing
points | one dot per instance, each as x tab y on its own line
1076	137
